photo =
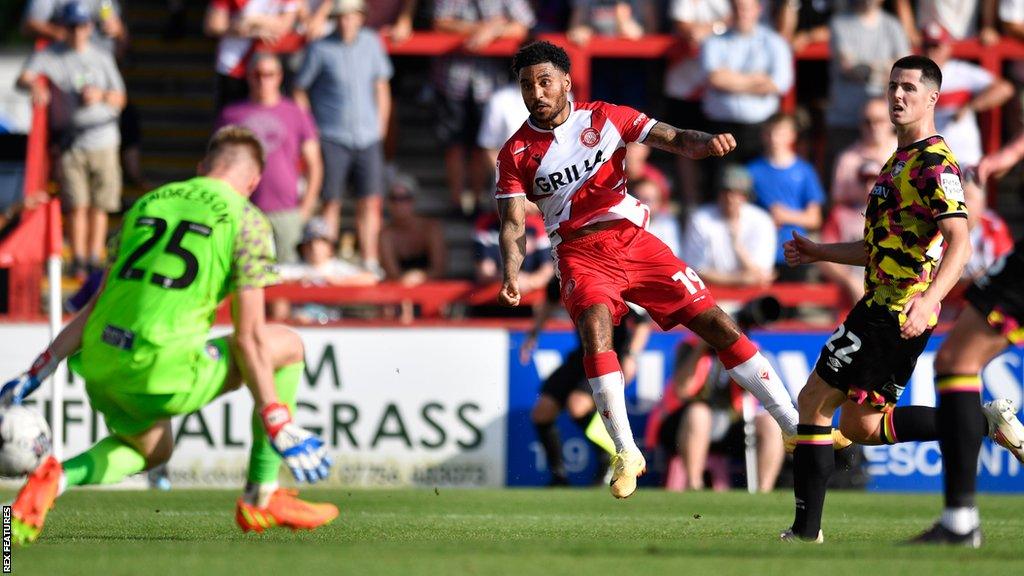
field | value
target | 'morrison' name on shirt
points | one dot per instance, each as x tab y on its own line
567	175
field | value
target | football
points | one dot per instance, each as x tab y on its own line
24	441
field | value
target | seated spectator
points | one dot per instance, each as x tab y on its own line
865	42
288	137
537	268
748	68
346	80
464	83
238	25
990	236
787	187
876	144
412	247
42	20
702	411
960	17
638	168
88	95
966	90
319	266
663	223
731	242
845	223
685	79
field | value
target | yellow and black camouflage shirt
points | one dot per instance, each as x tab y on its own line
918	186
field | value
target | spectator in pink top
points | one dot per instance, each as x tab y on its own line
289	137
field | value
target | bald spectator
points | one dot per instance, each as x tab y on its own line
288	136
966	90
464	83
748	68
865	42
238	25
731	242
87	97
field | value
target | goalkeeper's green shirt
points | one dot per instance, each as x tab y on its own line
183	248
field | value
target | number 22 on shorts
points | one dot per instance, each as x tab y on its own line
690	279
843	353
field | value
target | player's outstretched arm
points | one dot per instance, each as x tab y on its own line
803	250
65	344
512	241
690	143
302	451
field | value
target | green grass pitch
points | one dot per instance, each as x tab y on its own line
517	532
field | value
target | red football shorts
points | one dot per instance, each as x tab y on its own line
628	263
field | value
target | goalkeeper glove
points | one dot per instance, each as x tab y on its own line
15	391
302	451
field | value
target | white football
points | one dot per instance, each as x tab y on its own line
24	441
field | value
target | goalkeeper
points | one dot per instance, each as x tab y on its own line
142	345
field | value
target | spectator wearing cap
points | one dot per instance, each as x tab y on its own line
87	97
412	247
43	20
962	18
748	68
238	25
346	80
966	90
787	186
864	42
288	136
731	242
464	83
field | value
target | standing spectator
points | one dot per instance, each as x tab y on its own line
288	137
731	242
238	25
693	21
412	247
346	80
864	42
88	97
960	17
749	68
612	19
503	115
966	89
786	186
42	20
663	223
464	83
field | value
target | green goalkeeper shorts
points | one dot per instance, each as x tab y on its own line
128	412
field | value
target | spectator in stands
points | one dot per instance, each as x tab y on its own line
537	267
693	21
748	69
865	41
504	113
42	20
88	95
393	18
638	168
990	236
464	83
663	223
960	17
346	80
613	19
966	89
239	25
289	137
787	187
412	247
876	143
731	242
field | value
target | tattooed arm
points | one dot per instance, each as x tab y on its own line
512	241
690	143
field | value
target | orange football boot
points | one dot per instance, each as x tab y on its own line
286	511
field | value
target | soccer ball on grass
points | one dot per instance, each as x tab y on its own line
24	440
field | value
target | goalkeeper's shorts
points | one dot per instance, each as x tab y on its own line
129	411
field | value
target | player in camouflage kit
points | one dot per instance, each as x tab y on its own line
142	345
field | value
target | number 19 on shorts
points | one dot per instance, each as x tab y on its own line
690	279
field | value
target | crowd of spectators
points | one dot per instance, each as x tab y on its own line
322	106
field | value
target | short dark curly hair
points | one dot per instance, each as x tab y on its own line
538	53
